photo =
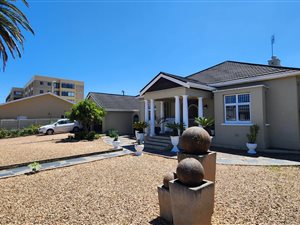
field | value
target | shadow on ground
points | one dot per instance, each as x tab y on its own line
159	221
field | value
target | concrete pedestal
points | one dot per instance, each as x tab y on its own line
192	205
164	199
208	162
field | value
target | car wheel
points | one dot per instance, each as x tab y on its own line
76	129
50	132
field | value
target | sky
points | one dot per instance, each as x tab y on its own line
121	45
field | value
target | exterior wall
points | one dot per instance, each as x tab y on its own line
283	113
235	136
274	108
121	121
45	106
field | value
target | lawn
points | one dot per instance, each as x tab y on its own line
34	148
123	191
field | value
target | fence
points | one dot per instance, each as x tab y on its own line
11	124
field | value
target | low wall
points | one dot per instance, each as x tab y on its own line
11	124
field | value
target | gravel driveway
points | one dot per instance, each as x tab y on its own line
34	148
123	191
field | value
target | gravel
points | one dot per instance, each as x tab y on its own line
34	148
123	190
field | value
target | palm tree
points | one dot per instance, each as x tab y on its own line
11	20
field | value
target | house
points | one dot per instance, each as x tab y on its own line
237	95
121	111
39	106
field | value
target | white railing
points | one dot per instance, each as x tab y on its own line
11	124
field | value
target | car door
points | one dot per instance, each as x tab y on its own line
60	126
68	126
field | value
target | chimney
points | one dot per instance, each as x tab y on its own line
274	61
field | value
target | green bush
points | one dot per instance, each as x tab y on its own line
31	130
83	135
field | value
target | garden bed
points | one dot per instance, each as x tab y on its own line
123	190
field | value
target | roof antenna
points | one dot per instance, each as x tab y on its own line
123	92
272	44
274	61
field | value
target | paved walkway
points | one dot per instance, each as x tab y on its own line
63	163
223	157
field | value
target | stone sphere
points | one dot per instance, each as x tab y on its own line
190	172
169	176
195	140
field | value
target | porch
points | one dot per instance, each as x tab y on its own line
178	109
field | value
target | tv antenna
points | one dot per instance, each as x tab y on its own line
272	44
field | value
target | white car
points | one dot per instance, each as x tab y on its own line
61	126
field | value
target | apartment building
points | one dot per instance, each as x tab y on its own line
71	90
15	94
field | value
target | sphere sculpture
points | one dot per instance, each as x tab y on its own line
190	172
195	140
169	176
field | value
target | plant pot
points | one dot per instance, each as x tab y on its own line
136	132
116	144
140	136
139	149
251	148
175	142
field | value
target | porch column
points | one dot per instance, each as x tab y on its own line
200	106
146	114
177	109
152	118
185	112
162	111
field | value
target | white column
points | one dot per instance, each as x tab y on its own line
146	114
162	115
177	109
152	118
200	106
185	111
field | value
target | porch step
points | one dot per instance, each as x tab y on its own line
157	142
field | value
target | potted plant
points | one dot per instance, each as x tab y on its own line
139	129
206	123
158	123
35	167
115	135
251	145
176	129
139	147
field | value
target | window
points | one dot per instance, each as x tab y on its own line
41	83
56	85
56	92
18	92
237	108
41	91
68	93
67	85
49	83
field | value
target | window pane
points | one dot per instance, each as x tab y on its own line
244	113
243	98
230	99
231	113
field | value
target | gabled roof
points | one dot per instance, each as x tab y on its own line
231	70
115	102
182	81
37	96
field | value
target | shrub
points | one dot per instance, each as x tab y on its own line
176	128
140	126
253	134
83	135
31	130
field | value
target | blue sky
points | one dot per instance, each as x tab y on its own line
122	45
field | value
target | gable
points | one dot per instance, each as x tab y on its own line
162	84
